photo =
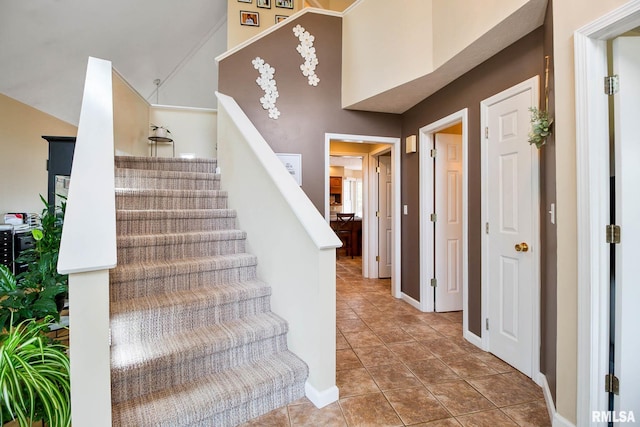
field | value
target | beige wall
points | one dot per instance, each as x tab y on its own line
568	16
194	130
130	119
23	155
374	61
237	33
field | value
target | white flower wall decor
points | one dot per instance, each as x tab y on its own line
308	53
268	85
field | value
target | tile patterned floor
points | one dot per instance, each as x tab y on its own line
397	366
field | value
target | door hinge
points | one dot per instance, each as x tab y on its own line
433	217
611	384
486	227
109	337
433	153
378	169
377	214
486	323
613	233
434	283
486	132
611	85
377	257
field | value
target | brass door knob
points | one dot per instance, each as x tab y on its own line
522	247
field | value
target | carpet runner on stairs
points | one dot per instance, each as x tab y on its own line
194	341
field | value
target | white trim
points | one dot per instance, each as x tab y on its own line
531	84
396	276
182	108
411	301
472	338
426	205
592	170
321	398
556	419
275	28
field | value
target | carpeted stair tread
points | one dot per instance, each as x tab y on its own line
164	163
205	402
175	180
130	222
169	239
162	214
136	198
161	192
144	367
148	270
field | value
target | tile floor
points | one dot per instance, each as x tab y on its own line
397	366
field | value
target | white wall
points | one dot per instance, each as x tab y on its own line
194	130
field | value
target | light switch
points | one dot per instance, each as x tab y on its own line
405	209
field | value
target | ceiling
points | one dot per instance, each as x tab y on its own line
44	45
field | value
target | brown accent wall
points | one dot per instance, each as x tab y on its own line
549	273
516	63
307	112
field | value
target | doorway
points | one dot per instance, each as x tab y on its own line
369	147
510	244
444	217
593	176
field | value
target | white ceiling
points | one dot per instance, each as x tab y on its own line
44	45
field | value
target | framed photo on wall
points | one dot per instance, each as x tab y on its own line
266	4
245	1
280	18
293	163
249	18
286	4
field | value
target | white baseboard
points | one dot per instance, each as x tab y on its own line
411	301
321	398
557	420
473	339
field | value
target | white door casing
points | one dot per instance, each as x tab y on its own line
510	185
448	225
385	211
626	64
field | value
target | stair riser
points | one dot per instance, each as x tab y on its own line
165	321
187	368
140	202
166	183
166	284
147	163
176	225
135	254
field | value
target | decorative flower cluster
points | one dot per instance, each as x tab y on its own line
268	85
308	53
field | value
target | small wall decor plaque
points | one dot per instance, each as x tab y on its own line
249	18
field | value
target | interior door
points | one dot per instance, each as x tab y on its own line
385	209
448	225
626	62
509	207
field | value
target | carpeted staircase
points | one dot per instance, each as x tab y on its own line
194	342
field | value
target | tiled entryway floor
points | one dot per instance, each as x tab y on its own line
397	366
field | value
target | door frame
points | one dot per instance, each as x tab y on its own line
592	170
369	237
531	84
374	206
426	171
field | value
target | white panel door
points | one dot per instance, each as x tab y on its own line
626	63
385	209
509	209
448	226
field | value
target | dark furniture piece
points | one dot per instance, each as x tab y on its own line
61	150
23	240
6	246
344	230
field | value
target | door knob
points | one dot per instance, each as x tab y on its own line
522	247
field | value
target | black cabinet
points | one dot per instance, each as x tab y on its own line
61	150
6	246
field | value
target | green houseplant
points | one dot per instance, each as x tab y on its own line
34	376
540	127
40	290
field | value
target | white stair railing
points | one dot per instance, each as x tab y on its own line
88	250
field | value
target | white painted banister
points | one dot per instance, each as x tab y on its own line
294	244
88	249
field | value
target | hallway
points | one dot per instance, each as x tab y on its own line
397	366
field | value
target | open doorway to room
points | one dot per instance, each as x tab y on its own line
350	190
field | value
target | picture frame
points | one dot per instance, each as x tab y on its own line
244	1
293	163
265	4
280	18
251	19
284	4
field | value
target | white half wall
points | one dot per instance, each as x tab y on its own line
194	130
